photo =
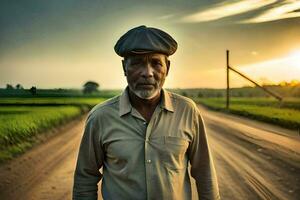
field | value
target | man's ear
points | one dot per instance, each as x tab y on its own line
124	67
168	66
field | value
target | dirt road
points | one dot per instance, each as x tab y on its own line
45	172
253	161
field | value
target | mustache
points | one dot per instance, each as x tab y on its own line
148	82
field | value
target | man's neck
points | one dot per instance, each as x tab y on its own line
145	107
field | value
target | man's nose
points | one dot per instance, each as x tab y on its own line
147	70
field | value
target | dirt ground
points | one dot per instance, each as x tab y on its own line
46	171
253	161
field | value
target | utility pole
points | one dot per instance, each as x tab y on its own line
228	68
227	76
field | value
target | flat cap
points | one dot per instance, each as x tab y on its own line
142	39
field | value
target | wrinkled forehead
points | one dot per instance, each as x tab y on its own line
156	56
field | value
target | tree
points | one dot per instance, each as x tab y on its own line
19	87
9	87
200	94
32	90
90	87
184	93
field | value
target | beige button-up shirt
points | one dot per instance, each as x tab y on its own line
143	160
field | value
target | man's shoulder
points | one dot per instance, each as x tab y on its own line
106	106
180	100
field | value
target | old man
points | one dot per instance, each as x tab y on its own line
146	138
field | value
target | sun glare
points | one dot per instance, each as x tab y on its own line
294	58
276	70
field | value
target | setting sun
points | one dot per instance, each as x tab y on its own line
281	69
294	58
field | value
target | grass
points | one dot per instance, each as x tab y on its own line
46	101
19	124
285	114
22	119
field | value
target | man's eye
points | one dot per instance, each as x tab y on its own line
156	63
135	63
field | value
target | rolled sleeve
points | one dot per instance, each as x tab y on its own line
202	166
89	161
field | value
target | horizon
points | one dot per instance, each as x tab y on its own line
168	88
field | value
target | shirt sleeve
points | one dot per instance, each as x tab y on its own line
202	166
89	161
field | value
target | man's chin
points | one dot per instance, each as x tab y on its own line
146	94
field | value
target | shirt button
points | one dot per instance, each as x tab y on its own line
149	161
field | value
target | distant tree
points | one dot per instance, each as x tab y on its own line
294	83
90	87
19	87
32	90
9	87
239	94
283	83
219	94
200	94
184	94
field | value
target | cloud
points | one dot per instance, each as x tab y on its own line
275	69
166	16
289	9
225	10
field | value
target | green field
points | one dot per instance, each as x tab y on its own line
53	101
286	113
22	119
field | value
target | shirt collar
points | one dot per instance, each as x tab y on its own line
166	101
125	105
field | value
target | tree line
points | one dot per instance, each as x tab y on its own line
89	87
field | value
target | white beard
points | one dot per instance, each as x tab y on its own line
146	94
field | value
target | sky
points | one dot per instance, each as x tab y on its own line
64	43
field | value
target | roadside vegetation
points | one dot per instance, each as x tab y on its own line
27	115
252	102
22	120
285	114
19	125
87	102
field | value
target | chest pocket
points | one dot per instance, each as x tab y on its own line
175	152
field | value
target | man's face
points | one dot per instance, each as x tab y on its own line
146	74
